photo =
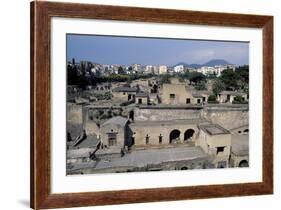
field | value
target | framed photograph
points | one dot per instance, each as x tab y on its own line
134	105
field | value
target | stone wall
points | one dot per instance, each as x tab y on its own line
74	122
227	117
74	113
142	131
163	114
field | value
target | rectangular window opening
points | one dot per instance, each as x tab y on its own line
172	96
220	150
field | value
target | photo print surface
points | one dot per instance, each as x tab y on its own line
137	104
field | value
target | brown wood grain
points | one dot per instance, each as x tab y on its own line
41	14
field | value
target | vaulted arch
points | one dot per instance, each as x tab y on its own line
243	163
188	134
174	135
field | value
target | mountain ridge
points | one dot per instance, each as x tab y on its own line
213	62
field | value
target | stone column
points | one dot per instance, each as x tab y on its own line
182	136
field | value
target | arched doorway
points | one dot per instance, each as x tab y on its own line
243	163
188	134
160	138
174	135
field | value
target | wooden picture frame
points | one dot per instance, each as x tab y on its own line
41	14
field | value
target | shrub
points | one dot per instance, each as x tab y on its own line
239	100
212	99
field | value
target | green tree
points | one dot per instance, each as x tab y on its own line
121	70
230	79
238	100
212	76
218	86
201	85
196	77
212	99
72	75
243	74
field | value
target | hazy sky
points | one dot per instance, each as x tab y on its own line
129	50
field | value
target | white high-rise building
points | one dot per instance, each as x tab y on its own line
148	69
163	69
206	70
136	68
179	68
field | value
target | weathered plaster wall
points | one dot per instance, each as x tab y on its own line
162	114
141	130
112	128
180	91
74	113
227	117
74	117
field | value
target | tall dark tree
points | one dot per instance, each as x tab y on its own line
230	79
243	74
201	85
196	77
72	75
218	86
121	70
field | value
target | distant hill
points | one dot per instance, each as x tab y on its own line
181	63
213	62
194	65
216	62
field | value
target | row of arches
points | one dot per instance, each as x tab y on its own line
175	135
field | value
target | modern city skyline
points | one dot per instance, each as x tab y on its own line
128	50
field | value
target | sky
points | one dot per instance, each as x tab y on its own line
155	51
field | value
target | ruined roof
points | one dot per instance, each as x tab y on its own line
196	95
168	122
154	156
90	141
207	92
226	107
125	89
116	120
213	129
240	144
168	106
141	94
234	93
